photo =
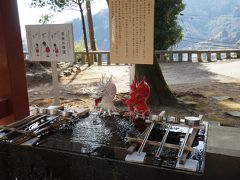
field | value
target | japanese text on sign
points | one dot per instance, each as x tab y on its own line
131	31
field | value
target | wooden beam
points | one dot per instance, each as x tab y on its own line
6	128
4	107
132	148
155	143
189	144
13	84
23	121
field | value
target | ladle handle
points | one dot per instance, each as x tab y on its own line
184	143
163	142
146	138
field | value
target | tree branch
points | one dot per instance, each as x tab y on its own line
58	3
80	2
72	9
74	1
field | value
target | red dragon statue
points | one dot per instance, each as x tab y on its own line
137	101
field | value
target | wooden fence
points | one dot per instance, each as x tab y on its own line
103	57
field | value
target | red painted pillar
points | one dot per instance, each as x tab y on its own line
13	88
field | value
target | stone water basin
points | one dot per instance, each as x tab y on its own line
107	137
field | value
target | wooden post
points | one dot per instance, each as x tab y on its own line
161	56
108	59
238	54
228	55
180	57
209	56
99	59
199	57
91	58
83	58
13	86
55	83
218	56
157	56
189	57
171	56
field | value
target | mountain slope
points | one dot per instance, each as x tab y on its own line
101	30
206	24
210	24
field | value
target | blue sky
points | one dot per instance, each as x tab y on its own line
29	15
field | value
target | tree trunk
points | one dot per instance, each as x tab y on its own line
85	35
90	27
160	92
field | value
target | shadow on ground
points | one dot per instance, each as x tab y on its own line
195	84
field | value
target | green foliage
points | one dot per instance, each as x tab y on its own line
79	46
45	18
166	30
56	5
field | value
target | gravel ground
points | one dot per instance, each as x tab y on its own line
194	82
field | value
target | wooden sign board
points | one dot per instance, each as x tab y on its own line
52	42
131	31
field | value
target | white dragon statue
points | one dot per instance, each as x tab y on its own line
105	94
